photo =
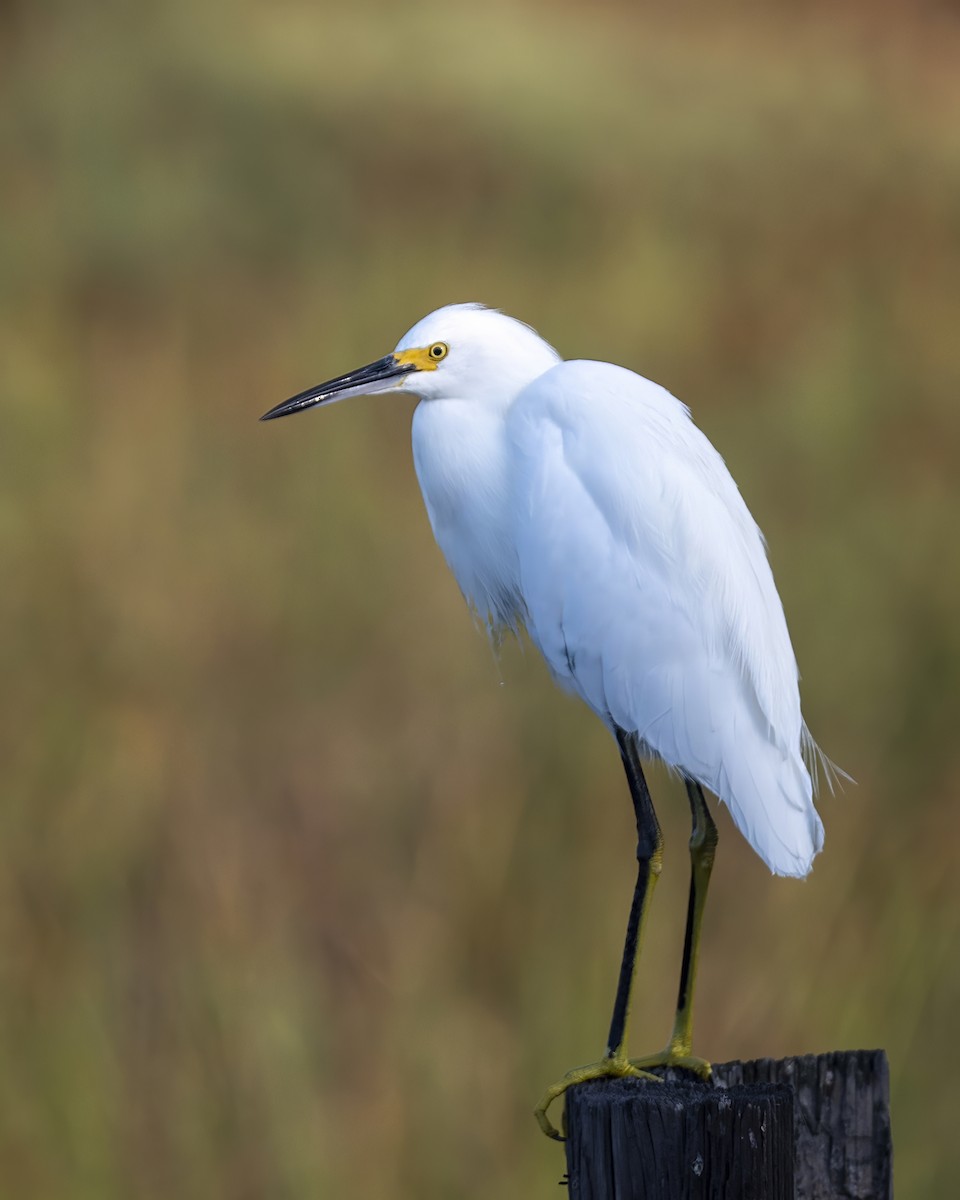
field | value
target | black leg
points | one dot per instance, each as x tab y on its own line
649	853
649	857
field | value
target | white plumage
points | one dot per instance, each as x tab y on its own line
580	499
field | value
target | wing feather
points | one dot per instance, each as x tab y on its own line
648	591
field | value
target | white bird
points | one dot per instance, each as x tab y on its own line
580	501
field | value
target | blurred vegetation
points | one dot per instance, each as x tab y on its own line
302	893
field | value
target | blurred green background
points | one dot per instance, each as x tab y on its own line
302	892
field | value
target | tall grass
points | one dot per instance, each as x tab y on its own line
303	893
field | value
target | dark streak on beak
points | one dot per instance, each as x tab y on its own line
355	382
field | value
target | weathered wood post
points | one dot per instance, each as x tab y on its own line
628	1139
810	1128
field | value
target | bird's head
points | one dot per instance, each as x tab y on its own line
462	351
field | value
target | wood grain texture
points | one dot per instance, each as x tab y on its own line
627	1139
844	1148
815	1127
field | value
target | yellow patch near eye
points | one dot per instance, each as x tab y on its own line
420	359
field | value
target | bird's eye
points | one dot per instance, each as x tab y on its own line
438	350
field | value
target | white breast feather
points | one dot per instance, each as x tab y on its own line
461	465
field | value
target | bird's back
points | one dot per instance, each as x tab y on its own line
648	590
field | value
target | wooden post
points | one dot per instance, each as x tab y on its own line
843	1142
628	1139
810	1128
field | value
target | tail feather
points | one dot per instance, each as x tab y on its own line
771	801
820	767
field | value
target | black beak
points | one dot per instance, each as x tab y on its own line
373	378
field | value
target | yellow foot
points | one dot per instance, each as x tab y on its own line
674	1056
616	1068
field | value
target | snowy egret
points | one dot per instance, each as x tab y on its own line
579	500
